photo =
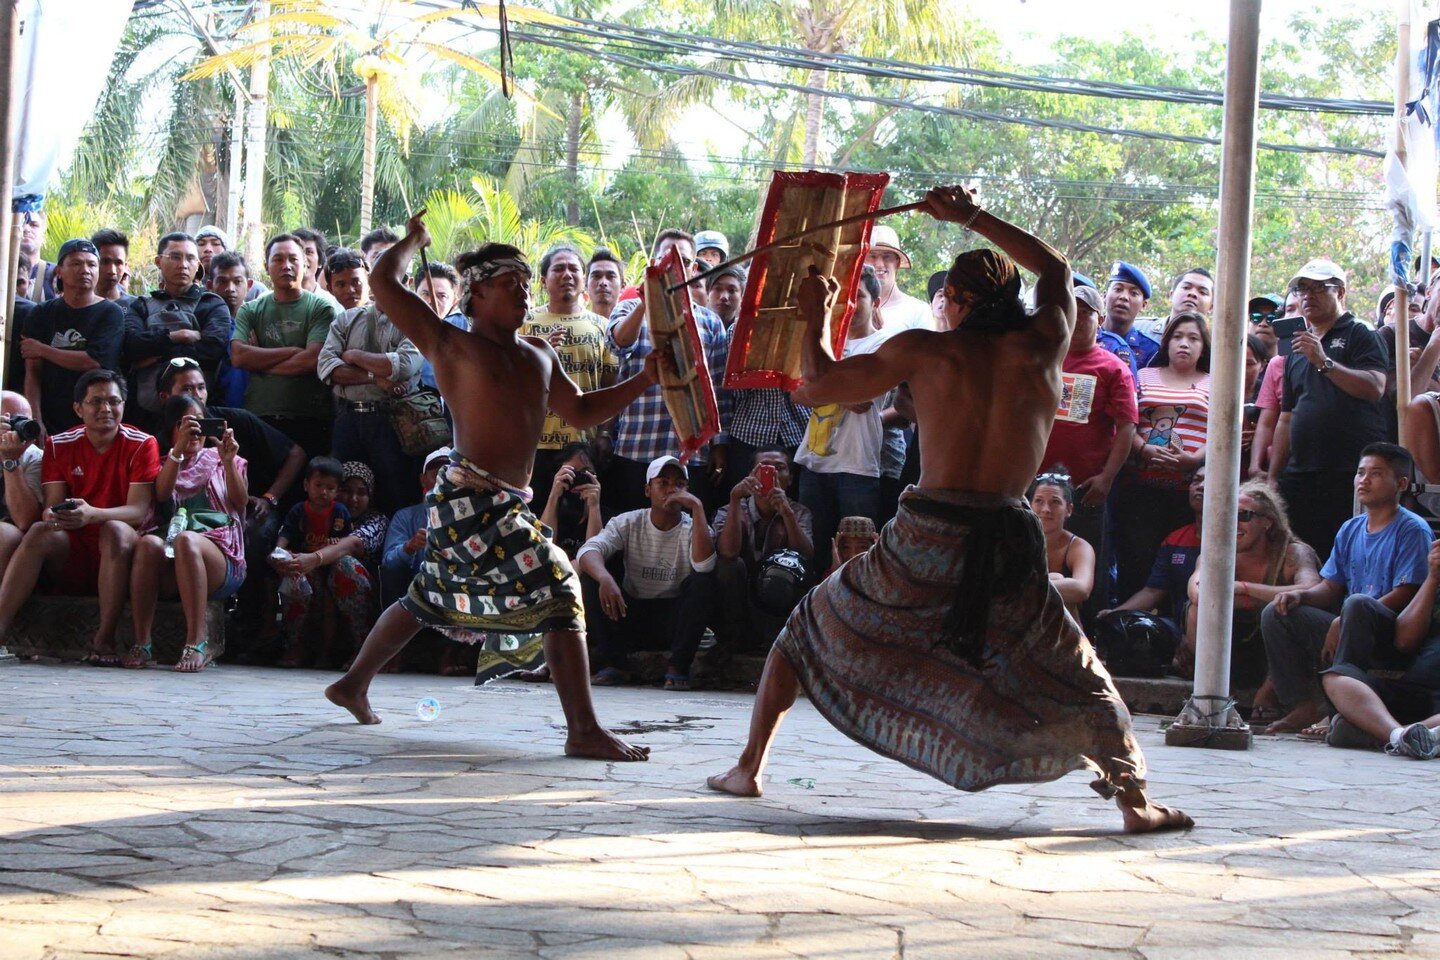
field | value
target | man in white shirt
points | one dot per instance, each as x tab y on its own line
659	601
902	311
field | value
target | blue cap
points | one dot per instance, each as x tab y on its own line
1129	273
1080	280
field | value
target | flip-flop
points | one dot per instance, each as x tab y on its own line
610	677
1317	731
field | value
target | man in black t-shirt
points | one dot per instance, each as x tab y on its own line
1330	406
64	337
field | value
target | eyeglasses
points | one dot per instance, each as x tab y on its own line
1245	516
104	402
1304	288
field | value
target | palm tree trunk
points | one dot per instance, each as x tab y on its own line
814	116
572	158
367	163
256	121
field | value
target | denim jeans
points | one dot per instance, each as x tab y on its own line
831	497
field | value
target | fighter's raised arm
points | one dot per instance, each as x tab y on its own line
410	314
1054	294
854	379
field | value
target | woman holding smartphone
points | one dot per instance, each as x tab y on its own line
199	551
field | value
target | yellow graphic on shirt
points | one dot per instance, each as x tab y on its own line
824	421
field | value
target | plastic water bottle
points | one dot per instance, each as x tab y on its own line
177	527
427	709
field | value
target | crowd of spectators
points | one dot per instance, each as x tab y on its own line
300	491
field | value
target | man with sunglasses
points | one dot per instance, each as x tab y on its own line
643	431
64	337
1332	390
179	318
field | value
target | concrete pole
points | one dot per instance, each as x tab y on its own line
1402	290
1209	718
9	143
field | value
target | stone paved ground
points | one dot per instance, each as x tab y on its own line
250	820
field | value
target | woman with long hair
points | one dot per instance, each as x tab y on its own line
201	556
1268	561
1151	495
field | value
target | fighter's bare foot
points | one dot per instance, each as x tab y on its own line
1150	817
736	781
598	743
356	702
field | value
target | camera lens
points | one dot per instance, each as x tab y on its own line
28	429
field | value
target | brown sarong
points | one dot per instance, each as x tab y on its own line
1030	702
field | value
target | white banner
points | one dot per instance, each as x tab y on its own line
66	47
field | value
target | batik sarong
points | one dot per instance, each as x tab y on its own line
491	575
1025	700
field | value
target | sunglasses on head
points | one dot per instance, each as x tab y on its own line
1052	478
185	363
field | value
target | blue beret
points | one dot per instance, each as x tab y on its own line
1129	273
1080	280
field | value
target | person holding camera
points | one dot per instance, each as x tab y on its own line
200	552
764	546
572	511
99	486
20	461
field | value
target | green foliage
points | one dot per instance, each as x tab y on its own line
489	169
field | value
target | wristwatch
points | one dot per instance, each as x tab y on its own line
1327	366
9	466
271	499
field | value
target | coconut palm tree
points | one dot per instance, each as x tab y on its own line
930	31
387	46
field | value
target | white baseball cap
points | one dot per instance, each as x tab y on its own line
442	454
660	463
884	237
1320	269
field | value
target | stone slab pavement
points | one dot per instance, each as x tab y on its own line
235	814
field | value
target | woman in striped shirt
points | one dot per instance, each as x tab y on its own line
1152	499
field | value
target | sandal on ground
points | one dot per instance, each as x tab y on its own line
610	677
201	649
98	659
1265	715
1317	731
677	681
139	657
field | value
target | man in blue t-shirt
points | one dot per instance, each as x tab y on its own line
1378	563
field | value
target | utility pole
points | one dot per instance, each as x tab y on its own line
1209	719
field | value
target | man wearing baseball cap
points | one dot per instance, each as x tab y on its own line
1330	405
711	247
1126	293
660	603
64	337
898	310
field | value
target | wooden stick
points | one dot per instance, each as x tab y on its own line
424	260
786	241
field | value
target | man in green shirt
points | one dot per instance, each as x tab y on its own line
278	339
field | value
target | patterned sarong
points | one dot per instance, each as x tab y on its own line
491	574
1035	703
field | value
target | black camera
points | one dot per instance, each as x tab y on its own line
28	429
